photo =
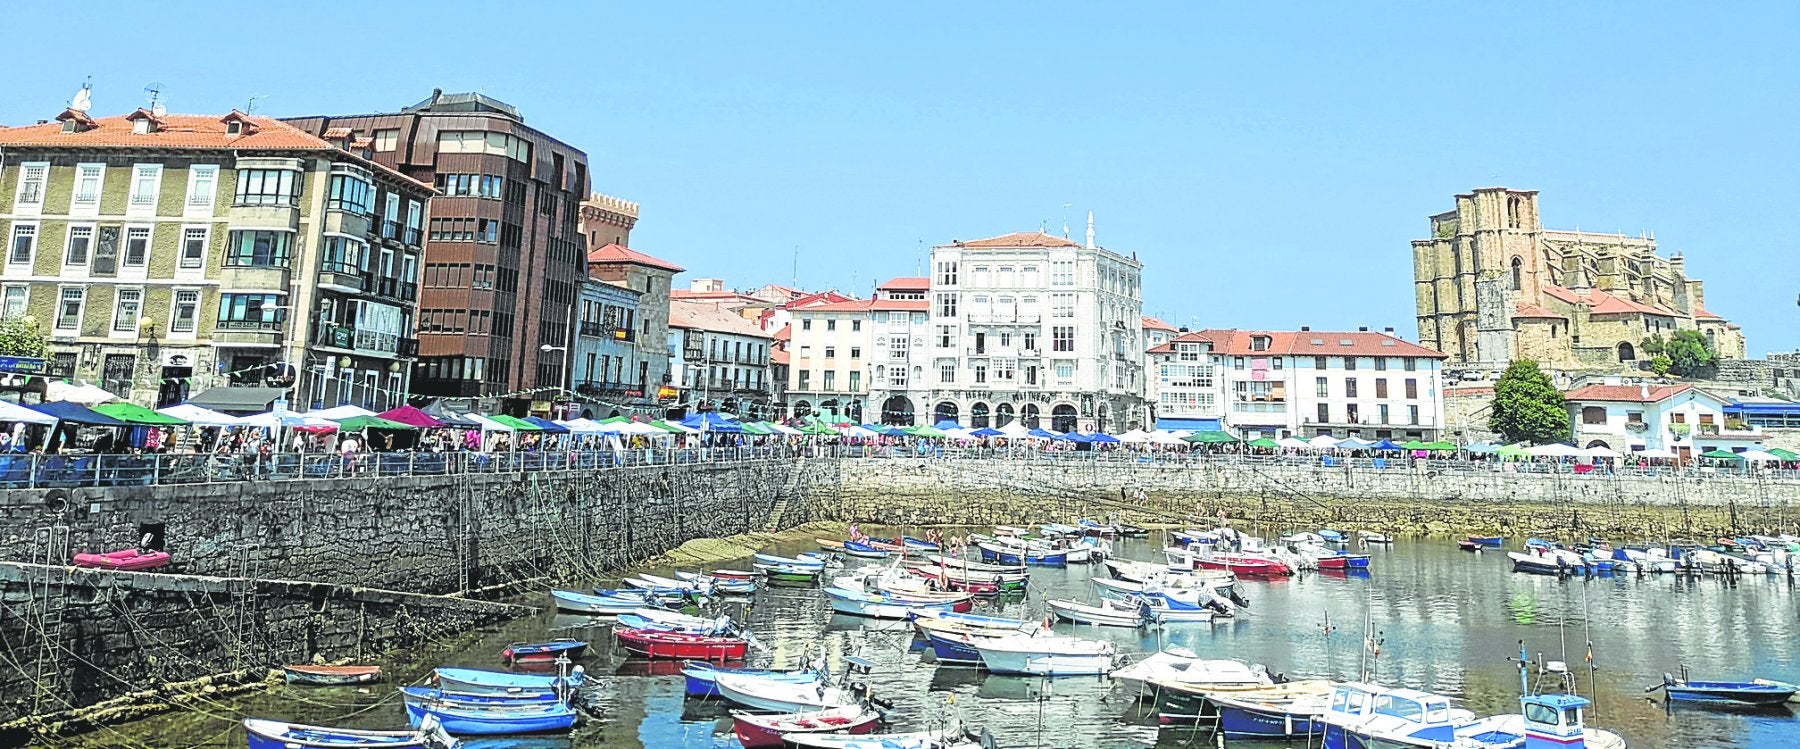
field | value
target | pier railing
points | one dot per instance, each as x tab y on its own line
50	471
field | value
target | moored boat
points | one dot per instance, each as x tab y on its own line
583	603
879	605
780	696
543	652
479	681
129	560
1043	656
1015	555
1280	712
755	731
701	677
1726	692
274	734
1342	561
1178	665
460	720
329	676
1109	614
1250	565
654	644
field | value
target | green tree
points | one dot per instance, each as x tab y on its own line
1660	364
1690	354
20	336
1527	407
1651	345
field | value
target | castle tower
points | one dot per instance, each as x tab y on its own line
1481	262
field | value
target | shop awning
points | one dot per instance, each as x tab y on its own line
246	399
12	413
1188	425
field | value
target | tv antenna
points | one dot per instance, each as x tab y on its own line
250	108
153	92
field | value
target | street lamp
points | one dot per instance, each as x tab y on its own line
568	376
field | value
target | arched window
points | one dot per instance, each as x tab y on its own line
1626	352
1518	268
1003	415
978	416
1062	418
1028	416
801	409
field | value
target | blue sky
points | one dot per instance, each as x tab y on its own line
1268	165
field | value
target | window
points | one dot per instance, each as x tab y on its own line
259	248
855	326
81	239
1593	415
1062	305
202	181
855	381
1409	364
1321	387
1319	362
137	245
250	311
1259	343
897	377
1352	414
897	348
87	183
946	336
1412	388
126	306
1412	415
343	254
1324	414
386	140
267	187
1634	417
1382	411
1381	387
805	380
193	246
831	325
146	179
947	373
980	374
1028	341
1276	362
185	311
24	241
13	301
856	352
946	306
1381	363
1349	387
831	352
1062	338
350	191
1349	362
1065	370
31	183
1062	273
946	273
1237	362
830	379
68	307
806	325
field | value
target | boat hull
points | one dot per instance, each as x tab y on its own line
1245	722
269	734
330	676
650	644
1010	556
702	678
951	649
476	722
756	731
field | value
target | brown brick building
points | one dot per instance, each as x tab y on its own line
504	251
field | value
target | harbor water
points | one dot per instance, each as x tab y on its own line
1445	620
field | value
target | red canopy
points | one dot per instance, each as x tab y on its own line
410	416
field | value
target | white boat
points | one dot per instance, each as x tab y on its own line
608	605
1219	599
1371	537
951	738
1137	572
1373	716
1044	656
1305	537
1180	666
774	695
1156	609
1109	614
683	621
877	605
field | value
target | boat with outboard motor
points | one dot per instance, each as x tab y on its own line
1048	655
1110	613
700	676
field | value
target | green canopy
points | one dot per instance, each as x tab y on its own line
359	423
1441	446
1264	442
1210	437
1511	451
136	414
1784	454
516	423
751	427
817	428
614	420
1716	454
665	426
1416	445
925	431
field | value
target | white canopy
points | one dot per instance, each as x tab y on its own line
83	394
1323	442
1135	437
12	413
1598	452
199	416
1015	430
959	434
1760	456
268	420
1295	443
858	432
1162	437
340	413
784	429
582	426
638	427
1557	450
1655	453
487	424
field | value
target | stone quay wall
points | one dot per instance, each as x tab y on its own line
1401	500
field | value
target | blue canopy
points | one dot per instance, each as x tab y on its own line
1041	434
1075	437
1482	448
1387	445
986	432
76	414
894	431
1352	443
712	421
548	425
1188	425
945	425
1102	438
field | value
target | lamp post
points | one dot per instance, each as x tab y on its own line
568	376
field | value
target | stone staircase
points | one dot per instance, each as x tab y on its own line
788	489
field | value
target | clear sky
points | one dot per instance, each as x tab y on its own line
1268	165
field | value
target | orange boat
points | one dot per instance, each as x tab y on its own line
331	676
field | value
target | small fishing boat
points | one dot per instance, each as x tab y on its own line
701	676
1331	536
780	696
973	624
1782	684
1160	610
330	676
1371	537
669	621
730	574
1369	715
878	605
955	738
460	720
755	731
1244	564
492	702
130	560
543	652
786	573
1132	531
908	543
724	585
1011	530
1044	656
1469	545
1342	560
1492	542
939	560
1178	665
582	603
1137	572
1724	692
1105	615
653	644
1057	530
953	647
478	681
1097	529
274	734
1282	711
802	561
861	550
993	552
1542	561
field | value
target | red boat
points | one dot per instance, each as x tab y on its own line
1468	544
542	652
1342	561
653	644
123	559
733	574
766	730
1242	564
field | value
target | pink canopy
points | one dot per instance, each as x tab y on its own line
410	416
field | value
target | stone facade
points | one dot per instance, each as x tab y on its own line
1492	285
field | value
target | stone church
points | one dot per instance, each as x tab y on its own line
1493	286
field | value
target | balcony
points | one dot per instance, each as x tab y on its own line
337	275
371	342
392	288
1257	407
409	348
249	332
411	237
390	230
588	329
334	335
617	389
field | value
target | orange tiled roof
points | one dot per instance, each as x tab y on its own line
1626	393
1018	239
869	305
1602	303
1301	343
618	253
906	283
786	333
1151	323
779	355
1524	309
1702	313
713	317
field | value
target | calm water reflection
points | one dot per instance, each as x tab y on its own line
1449	621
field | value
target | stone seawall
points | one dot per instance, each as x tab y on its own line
1395	500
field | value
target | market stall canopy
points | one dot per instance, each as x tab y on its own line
822	428
1654	453
648	430
894	431
1135	437
1264	442
1323	442
1074	437
517	424
959	434
1294	443
1414	445
12	413
1014	429
1717	454
785	429
490	425
1784	454
83	394
200	417
408	415
1598	452
1441	446
860	432
437	410
753	428
928	432
1162	437
1760	456
1352	443
671	427
546	425
945	425
1043	434
75	413
132	413
240	399
712	421
1210	438
1557	450
1511	451
306	422
587	426
1482	448
1387	445
340	413
1102	438
359	423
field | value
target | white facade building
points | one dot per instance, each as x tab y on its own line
719	360
1033	327
834	358
1156	333
1303	383
1682	419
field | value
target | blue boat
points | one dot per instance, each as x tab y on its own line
951	648
1489	541
701	676
543	652
919	544
861	550
978	620
487	721
522	701
1241	718
711	627
1724	692
803	560
274	734
1335	537
996	554
478	681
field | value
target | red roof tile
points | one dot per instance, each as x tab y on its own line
713	317
868	305
1702	313
906	283
786	333
1602	303
779	355
1151	323
337	133
1626	393
1018	239
1527	310
1301	343
618	253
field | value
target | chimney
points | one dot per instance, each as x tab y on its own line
436	93
1644	390
1388	330
1363	329
1305	328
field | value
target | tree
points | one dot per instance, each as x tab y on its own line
1660	364
1527	407
20	336
1690	354
1652	345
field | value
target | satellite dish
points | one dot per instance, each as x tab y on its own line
84	99
158	109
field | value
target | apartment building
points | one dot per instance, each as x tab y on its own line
721	360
